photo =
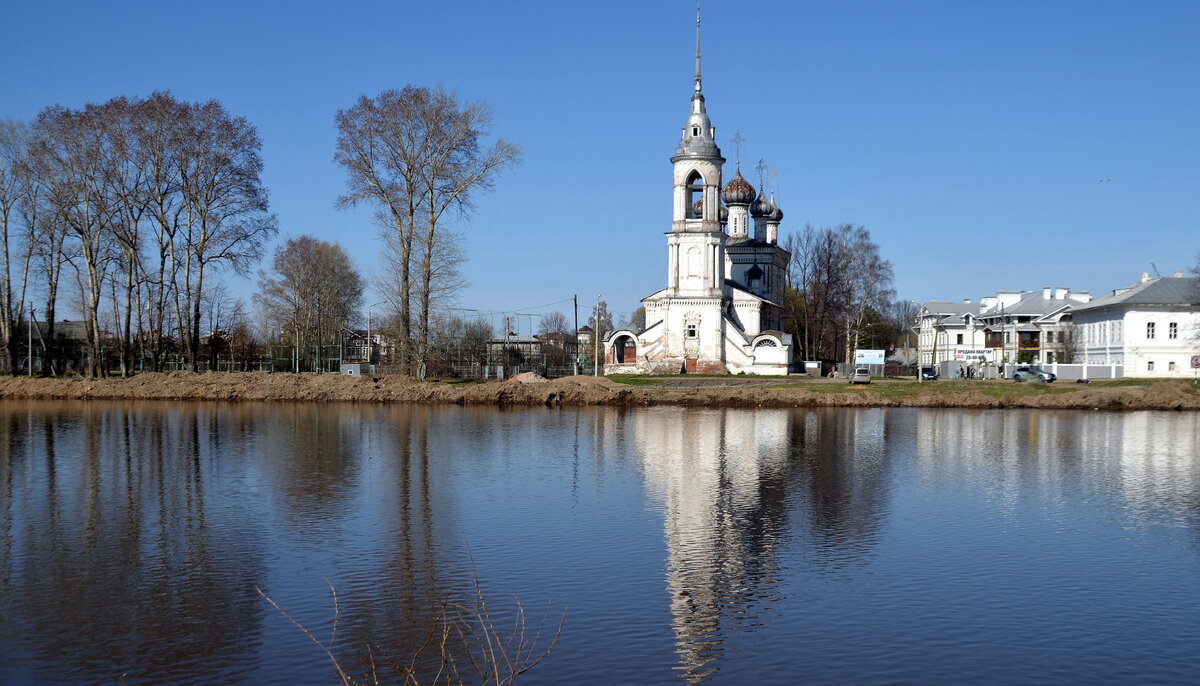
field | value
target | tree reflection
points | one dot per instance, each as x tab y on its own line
111	545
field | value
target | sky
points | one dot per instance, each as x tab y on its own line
985	145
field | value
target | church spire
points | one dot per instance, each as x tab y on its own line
699	136
697	46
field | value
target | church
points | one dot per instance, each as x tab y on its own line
722	309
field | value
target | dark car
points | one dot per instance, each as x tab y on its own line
1033	373
929	374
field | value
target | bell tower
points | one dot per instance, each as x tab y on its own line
696	241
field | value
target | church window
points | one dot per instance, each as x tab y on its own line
695	130
1173	330
689	331
1150	366
695	196
754	277
1150	330
1171	366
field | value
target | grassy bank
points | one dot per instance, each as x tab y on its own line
717	391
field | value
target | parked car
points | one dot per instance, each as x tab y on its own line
1033	373
861	375
929	374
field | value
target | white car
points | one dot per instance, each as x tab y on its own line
861	375
1033	373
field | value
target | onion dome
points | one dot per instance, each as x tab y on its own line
761	206
723	215
775	215
738	191
698	210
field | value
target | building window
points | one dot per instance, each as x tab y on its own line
1173	330
1150	366
689	331
960	339
695	196
1171	366
1049	336
1150	331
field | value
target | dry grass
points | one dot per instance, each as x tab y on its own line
463	640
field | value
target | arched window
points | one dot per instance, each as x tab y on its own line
695	196
754	278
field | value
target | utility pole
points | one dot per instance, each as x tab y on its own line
30	332
575	303
596	338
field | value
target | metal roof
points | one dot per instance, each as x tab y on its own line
1175	290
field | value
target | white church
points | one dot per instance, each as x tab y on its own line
721	311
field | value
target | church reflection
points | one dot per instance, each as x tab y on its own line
737	486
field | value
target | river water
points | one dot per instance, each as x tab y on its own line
681	545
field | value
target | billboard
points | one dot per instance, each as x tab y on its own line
868	357
973	355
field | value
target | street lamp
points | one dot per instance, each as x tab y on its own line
914	302
369	350
596	339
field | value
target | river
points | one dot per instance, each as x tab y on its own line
675	545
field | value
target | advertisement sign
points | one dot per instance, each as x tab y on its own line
868	357
973	355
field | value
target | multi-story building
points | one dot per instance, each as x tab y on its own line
1006	328
1151	327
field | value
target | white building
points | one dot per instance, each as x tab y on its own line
1005	328
1151	327
721	309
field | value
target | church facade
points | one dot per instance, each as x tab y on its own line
721	311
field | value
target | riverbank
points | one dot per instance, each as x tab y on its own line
528	389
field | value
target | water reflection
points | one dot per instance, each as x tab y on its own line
103	537
726	480
741	546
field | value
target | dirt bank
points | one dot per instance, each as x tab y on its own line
528	389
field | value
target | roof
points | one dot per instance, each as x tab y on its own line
945	308
747	242
1174	290
1035	304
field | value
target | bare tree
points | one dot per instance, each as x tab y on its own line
869	280
72	150
313	291
838	286
15	189
1070	343
416	155
553	322
225	217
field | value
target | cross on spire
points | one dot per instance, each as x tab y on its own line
737	141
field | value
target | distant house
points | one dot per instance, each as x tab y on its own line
1007	327
1151	327
585	335
355	348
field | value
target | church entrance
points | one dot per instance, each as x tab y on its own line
625	350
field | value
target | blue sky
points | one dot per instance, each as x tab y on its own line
970	138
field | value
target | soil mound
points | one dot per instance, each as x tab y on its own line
528	377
